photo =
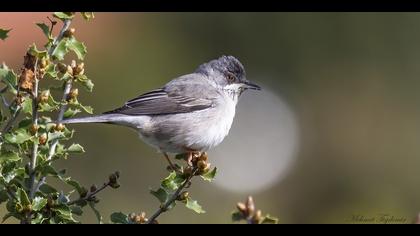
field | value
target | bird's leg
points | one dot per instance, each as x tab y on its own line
169	161
189	158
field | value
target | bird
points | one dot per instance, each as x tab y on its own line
190	114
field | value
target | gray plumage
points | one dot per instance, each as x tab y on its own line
193	112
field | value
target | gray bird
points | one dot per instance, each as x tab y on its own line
191	113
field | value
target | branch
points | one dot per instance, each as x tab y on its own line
172	199
66	92
35	122
90	195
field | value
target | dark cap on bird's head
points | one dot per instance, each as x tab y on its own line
228	66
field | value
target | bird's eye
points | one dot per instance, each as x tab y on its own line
230	77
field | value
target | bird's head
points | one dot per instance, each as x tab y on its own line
228	74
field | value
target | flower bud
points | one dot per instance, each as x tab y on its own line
53	126
183	196
43	139
241	207
203	157
62	67
201	165
43	63
44	96
69	33
73	64
250	206
69	70
257	217
33	129
93	188
73	93
59	127
188	171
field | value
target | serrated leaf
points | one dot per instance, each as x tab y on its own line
37	53
209	176
75	148
9	156
47	170
173	181
237	216
88	15
9	78
18	137
193	205
50	71
74	184
38	203
23	197
45	29
269	220
3	33
87	109
60	50
70	112
97	214
119	218
25	123
47	189
56	136
77	47
160	194
27	106
85	82
63	15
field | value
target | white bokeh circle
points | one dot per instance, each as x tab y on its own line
261	146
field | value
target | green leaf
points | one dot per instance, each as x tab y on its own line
10	214
60	50
3	33
85	82
64	212
119	218
63	15
173	181
193	205
56	136
270	220
47	189
38	203
45	29
50	71
9	78
3	196
160	194
24	199
47	170
25	123
88	15
97	214
237	216
76	210
17	137
77	47
209	176
9	156
27	106
75	148
71	112
37	53
74	184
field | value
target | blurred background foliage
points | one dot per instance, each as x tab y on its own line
351	80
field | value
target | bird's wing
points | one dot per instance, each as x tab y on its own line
176	97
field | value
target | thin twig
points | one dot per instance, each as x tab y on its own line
90	194
172	199
35	123
63	107
12	119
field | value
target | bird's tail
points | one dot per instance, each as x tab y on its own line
104	118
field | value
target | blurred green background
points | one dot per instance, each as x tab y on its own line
350	82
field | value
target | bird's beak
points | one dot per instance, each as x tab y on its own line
250	85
